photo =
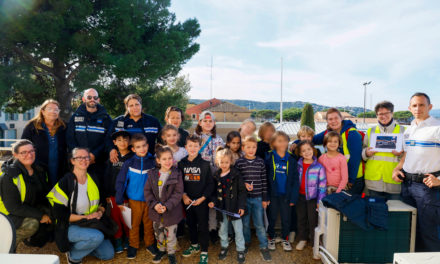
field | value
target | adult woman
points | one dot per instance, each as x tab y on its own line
48	133
351	147
22	191
75	198
134	121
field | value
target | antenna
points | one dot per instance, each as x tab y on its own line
281	99
210	88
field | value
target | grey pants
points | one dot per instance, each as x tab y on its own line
212	223
27	229
166	237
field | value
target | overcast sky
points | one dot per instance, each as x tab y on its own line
329	49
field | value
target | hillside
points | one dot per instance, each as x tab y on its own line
257	105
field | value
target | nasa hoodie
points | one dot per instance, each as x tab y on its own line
197	177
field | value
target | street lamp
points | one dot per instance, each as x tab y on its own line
365	96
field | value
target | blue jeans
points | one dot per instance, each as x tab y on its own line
238	229
255	210
87	241
385	195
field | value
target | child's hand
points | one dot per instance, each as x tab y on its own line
186	199
211	205
265	204
249	187
114	156
291	204
158	208
199	201
122	208
164	209
241	212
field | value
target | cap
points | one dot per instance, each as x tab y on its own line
204	115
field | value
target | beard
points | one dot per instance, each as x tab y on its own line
91	104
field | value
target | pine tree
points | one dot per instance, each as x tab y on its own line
307	116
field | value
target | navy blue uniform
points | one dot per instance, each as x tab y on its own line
147	125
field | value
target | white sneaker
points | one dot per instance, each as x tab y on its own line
286	245
301	245
271	244
292	237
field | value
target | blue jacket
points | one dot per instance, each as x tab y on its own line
147	124
292	184
354	144
132	178
89	130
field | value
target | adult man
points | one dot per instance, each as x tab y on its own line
379	166
88	128
419	169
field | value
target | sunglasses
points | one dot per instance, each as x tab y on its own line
89	97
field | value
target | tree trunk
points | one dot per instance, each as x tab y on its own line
64	97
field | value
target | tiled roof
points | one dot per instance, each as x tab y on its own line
198	109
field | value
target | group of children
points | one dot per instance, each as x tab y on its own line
217	188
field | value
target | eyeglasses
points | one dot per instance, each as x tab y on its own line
383	114
50	109
85	158
25	153
89	97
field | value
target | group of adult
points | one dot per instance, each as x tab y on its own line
40	162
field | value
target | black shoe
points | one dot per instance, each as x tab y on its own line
223	253
241	257
265	254
172	259
152	250
159	256
131	252
70	261
213	234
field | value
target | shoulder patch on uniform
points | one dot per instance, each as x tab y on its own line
120	124
79	119
99	121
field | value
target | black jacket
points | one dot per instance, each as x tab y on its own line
234	198
36	190
89	130
111	174
41	144
183	135
197	177
262	149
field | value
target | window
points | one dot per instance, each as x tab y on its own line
28	115
194	116
11	116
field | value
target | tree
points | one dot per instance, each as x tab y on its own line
291	114
307	116
59	48
265	114
403	116
369	114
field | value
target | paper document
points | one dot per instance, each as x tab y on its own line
126	215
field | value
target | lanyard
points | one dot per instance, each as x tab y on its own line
205	145
274	166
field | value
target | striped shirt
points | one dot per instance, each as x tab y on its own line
254	171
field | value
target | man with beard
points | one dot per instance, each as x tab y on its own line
88	128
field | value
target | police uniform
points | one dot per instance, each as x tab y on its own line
422	147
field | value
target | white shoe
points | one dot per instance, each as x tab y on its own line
286	245
301	245
271	244
292	237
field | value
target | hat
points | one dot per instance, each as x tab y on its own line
120	133
205	113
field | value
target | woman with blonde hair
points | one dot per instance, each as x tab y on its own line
48	134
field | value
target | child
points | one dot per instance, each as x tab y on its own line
253	170
133	174
174	116
206	129
198	187
247	128
121	139
304	133
282	176
312	189
170	136
163	192
335	163
265	133
233	142
230	197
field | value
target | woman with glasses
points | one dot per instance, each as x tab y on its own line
76	198
48	134
23	188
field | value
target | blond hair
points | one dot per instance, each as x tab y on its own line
223	152
263	128
39	118
305	130
249	139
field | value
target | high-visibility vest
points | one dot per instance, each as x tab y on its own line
347	151
380	166
21	186
57	195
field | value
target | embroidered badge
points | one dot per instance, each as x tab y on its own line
120	124
79	119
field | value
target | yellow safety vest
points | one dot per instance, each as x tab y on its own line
347	152
21	186
57	195
380	166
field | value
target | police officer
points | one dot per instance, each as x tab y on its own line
134	121
379	166
88	128
418	170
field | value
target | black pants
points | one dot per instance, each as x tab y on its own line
307	218
197	220
279	205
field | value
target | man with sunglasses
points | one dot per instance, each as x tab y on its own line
88	128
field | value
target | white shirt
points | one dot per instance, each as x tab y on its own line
422	146
82	202
179	155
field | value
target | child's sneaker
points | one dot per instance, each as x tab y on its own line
271	244
223	253
118	246
203	258
265	254
152	250
172	259
159	256
301	245
191	250
71	261
241	257
286	245
125	243
292	237
131	252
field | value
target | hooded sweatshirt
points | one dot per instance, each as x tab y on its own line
112	172
197	177
354	144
